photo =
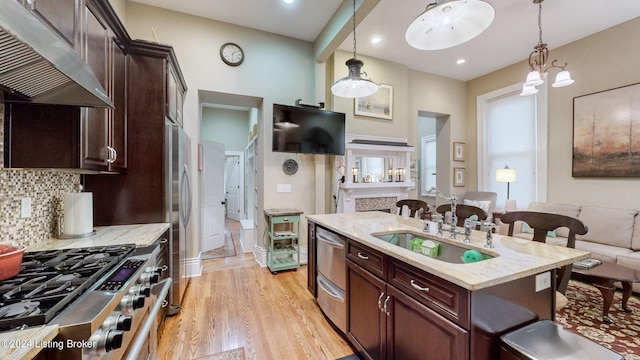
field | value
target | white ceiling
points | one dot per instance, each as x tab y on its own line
509	39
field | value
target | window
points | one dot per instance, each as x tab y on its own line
512	130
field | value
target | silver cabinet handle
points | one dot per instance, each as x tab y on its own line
418	287
385	306
363	257
380	301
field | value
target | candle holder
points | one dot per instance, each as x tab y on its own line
354	172
399	174
390	177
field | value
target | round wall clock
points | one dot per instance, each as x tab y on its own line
232	54
290	167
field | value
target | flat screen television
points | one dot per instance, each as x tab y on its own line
308	130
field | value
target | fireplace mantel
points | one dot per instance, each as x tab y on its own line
392	186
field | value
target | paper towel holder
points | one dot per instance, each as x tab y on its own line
59	231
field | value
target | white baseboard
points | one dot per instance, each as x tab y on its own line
194	267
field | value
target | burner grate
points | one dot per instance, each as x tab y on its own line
51	280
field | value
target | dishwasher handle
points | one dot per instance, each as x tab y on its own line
327	288
335	243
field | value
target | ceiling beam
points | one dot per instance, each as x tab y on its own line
340	26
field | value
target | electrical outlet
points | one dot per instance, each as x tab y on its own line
284	188
543	281
25	207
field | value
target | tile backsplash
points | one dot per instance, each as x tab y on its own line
46	189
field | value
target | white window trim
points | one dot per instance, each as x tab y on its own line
541	135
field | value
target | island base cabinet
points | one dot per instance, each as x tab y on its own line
416	332
385	323
366	324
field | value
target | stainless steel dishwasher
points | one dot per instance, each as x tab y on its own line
332	276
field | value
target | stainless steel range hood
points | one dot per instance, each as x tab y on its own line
37	64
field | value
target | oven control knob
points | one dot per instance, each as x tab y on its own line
113	340
118	321
105	341
149	278
140	289
131	302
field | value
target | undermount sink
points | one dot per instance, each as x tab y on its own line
445	251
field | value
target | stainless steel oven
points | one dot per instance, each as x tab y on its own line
332	276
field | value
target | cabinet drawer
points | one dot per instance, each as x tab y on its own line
447	299
285	219
372	260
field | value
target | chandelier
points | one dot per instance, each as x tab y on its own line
447	23
354	85
538	64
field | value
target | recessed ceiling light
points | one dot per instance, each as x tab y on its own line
288	1
376	40
461	61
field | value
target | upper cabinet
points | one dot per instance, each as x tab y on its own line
89	138
60	15
175	95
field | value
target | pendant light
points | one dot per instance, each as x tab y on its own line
538	64
448	23
354	85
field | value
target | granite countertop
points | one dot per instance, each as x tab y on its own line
26	344
140	234
514	258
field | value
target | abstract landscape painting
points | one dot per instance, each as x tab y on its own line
606	133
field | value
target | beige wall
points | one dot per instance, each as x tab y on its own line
276	69
602	61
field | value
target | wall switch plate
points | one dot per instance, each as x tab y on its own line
25	207
543	281
284	188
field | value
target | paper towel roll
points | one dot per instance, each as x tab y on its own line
78	213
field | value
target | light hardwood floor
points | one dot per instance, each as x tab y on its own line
236	303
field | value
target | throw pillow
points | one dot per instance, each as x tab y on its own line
482	204
528	230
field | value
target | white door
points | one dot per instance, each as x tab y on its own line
233	173
428	163
213	197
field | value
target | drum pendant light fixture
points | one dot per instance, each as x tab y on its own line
354	85
447	23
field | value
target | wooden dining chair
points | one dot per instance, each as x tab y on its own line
462	212
542	223
414	206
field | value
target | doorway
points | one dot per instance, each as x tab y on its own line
228	119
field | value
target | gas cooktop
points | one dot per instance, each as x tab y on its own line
50	280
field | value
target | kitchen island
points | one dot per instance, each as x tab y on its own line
403	304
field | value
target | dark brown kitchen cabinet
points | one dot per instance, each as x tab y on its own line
139	195
60	15
312	260
98	125
175	95
72	137
386	323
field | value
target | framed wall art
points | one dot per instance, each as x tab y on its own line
458	177
606	133
378	105
458	151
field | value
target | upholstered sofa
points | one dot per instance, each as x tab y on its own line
613	236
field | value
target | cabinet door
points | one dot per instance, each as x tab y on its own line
95	121
417	332
366	327
118	124
172	93
60	14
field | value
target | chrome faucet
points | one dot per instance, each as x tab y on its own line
454	202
